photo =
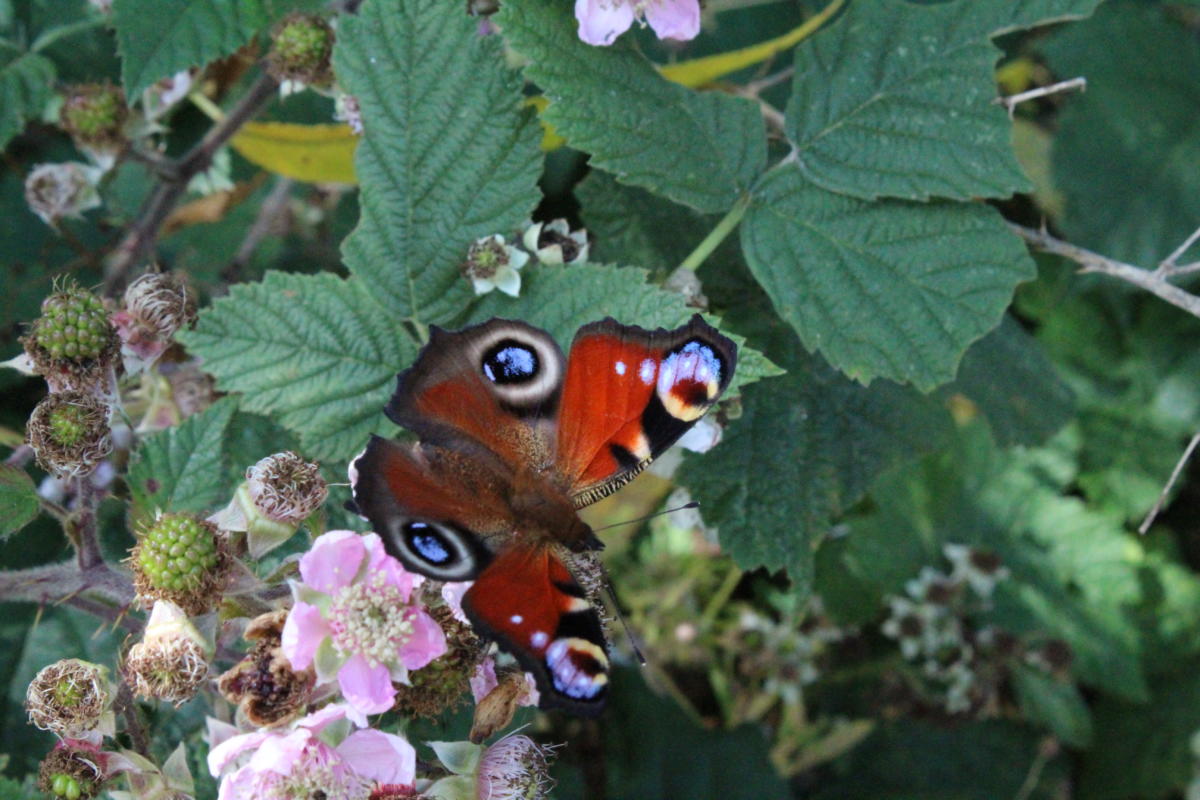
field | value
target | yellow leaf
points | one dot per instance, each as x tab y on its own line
311	153
550	138
700	71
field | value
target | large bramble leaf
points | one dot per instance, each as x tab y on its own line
895	100
317	352
158	38
702	150
563	299
1125	151
891	289
1055	703
1008	377
448	154
182	468
18	500
26	83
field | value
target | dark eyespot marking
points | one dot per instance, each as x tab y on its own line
428	543
509	361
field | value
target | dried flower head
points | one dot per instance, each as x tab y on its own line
264	686
515	768
555	243
70	698
286	488
62	191
442	683
157	305
492	264
181	558
171	661
94	114
301	49
74	770
73	344
70	433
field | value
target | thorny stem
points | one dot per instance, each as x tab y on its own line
83	525
100	585
717	235
167	193
1154	282
718	600
133	722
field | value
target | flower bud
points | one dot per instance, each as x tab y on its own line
555	243
70	433
60	191
183	559
492	264
280	492
72	344
346	110
171	661
72	699
73	770
94	114
264	686
157	305
301	49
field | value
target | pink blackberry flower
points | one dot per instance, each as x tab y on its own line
305	762
602	21
354	622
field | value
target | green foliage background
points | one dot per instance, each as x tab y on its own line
911	376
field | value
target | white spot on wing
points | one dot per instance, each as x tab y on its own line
539	639
619	367
646	371
516	619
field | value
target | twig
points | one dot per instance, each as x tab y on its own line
755	88
1011	101
166	194
1162	497
1047	750
133	722
1168	265
20	457
274	206
1153	282
87	546
51	584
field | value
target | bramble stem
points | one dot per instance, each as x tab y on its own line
717	235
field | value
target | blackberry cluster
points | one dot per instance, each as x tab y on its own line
180	558
74	326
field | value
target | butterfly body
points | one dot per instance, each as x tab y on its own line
513	439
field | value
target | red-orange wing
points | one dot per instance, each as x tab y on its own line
629	394
528	602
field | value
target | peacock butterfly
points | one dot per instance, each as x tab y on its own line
513	439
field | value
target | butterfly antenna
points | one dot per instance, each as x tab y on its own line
683	507
634	642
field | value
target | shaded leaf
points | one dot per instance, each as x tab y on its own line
18	500
182	468
1125	153
157	38
448	154
895	99
316	352
26	84
1056	704
702	150
890	289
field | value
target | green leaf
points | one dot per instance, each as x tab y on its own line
182	468
157	38
448	154
911	760
699	149
1008	377
1142	749
26	84
895	100
891	289
654	750
1003	16
315	351
1125	151
822	439
1056	704
563	299
18	500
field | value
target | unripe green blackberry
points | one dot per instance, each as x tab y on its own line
73	770
301	49
70	434
95	115
180	558
72	343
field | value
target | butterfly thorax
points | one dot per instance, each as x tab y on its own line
544	512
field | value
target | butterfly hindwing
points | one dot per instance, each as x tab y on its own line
629	394
529	602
